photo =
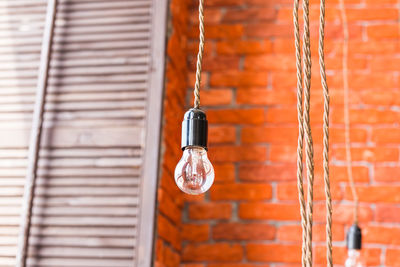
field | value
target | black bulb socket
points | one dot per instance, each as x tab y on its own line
354	237
194	129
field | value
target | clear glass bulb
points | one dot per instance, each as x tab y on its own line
353	258
194	173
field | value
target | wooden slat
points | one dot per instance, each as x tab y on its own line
82	252
81	231
71	262
84	201
84	221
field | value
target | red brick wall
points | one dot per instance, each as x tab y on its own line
169	198
251	215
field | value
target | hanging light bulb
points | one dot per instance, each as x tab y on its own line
354	247
194	173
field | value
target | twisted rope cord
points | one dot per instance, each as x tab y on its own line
300	139
307	128
346	108
199	56
304	125
326	135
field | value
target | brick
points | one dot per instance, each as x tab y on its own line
371	154
204	211
236	265
385	64
237	116
243	231
224	173
238	153
212	63
392	257
388	31
251	13
287	115
386	135
288	191
263	3
343	213
371	256
335	32
281	153
381	235
195	232
261	96
170	258
376	194
267	30
379	80
244	47
339	174
168	207
269	211
216	97
374	47
385	98
336	63
193	198
386	174
284	81
387	213
241	192
239	78
219	32
262	172
274	135
371	14
159	247
336	135
212	252
273	253
222	134
269	62
169	232
223	3
293	232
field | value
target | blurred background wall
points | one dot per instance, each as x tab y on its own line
250	217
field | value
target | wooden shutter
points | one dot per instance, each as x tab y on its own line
92	205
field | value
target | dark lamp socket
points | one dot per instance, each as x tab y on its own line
194	129
354	237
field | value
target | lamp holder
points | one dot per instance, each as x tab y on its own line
194	129
354	237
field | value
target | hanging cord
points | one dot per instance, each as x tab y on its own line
307	128
34	145
199	56
300	140
304	125
325	89
346	108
